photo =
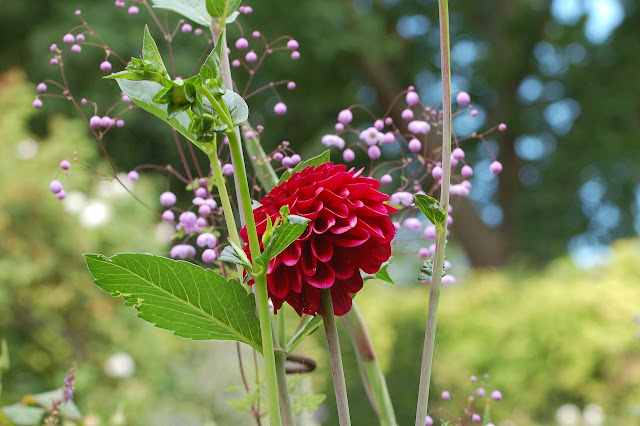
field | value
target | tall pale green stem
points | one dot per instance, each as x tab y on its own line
441	229
372	377
331	331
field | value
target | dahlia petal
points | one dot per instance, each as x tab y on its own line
310	300
375	256
291	254
323	222
342	264
341	300
278	283
369	226
353	284
342	225
372	209
274	264
322	248
333	202
323	277
365	191
352	238
309	263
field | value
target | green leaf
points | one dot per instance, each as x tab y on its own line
232	254
221	8
426	270
23	415
151	56
309	327
431	209
325	157
142	92
191	301
68	410
195	10
382	274
127	75
284	235
212	66
237	107
178	95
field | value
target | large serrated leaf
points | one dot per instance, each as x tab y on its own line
142	93
325	157
191	301
431	208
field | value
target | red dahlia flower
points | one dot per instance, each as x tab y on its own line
349	231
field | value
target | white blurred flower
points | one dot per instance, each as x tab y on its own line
568	415
112	189
164	232
74	202
26	149
593	415
95	214
120	365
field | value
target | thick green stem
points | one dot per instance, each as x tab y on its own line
262	296
266	332
286	411
372	377
441	229
331	331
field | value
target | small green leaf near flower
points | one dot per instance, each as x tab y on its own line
431	208
325	157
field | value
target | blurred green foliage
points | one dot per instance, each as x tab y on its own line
50	312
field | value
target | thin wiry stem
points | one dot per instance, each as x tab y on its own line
441	229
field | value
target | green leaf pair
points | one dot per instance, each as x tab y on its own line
181	103
426	270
